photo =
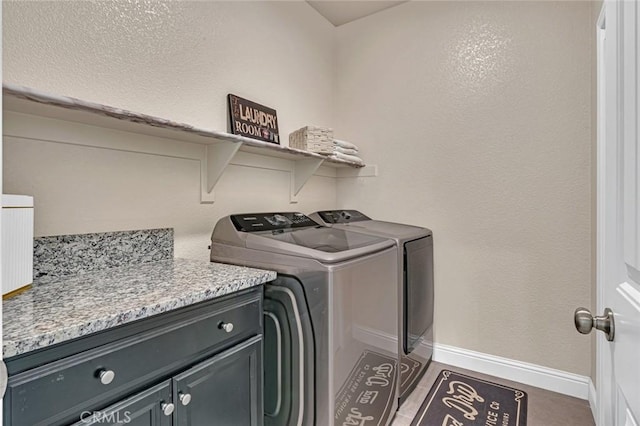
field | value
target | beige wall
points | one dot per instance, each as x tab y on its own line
171	59
479	116
176	59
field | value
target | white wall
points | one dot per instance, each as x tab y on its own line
478	114
176	60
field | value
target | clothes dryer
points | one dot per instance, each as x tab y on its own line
415	269
335	296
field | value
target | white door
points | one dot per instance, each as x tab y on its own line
3	371
618	361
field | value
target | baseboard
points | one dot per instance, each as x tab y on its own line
382	340
593	400
377	338
523	372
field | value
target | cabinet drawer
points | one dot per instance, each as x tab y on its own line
57	393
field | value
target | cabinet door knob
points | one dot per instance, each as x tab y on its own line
167	408
106	376
226	326
185	398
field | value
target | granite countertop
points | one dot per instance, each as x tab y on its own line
79	305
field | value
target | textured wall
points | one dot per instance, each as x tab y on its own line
479	116
175	59
171	59
85	190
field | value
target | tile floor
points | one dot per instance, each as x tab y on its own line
545	408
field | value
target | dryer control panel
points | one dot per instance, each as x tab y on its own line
342	216
255	222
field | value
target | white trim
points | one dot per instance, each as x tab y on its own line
605	107
382	340
376	338
593	399
522	372
518	371
1	148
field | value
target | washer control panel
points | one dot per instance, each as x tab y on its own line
342	216
255	222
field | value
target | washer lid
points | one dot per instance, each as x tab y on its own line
387	229
327	245
353	220
295	234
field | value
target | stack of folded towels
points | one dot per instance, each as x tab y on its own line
346	151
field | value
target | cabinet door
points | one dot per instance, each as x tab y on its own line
144	409
223	390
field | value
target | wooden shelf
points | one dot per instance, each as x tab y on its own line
220	147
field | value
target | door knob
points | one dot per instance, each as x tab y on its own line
585	322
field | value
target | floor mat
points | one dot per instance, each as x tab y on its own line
366	397
409	372
457	399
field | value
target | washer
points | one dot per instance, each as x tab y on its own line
328	359
415	260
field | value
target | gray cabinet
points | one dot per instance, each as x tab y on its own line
211	350
143	409
225	388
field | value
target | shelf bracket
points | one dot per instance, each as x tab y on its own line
300	174
216	158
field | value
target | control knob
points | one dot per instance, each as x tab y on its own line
280	219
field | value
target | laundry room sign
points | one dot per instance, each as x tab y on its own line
253	120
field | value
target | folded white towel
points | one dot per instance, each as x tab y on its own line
347	151
344	144
347	157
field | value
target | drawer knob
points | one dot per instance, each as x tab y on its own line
106	376
226	326
185	398
167	408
